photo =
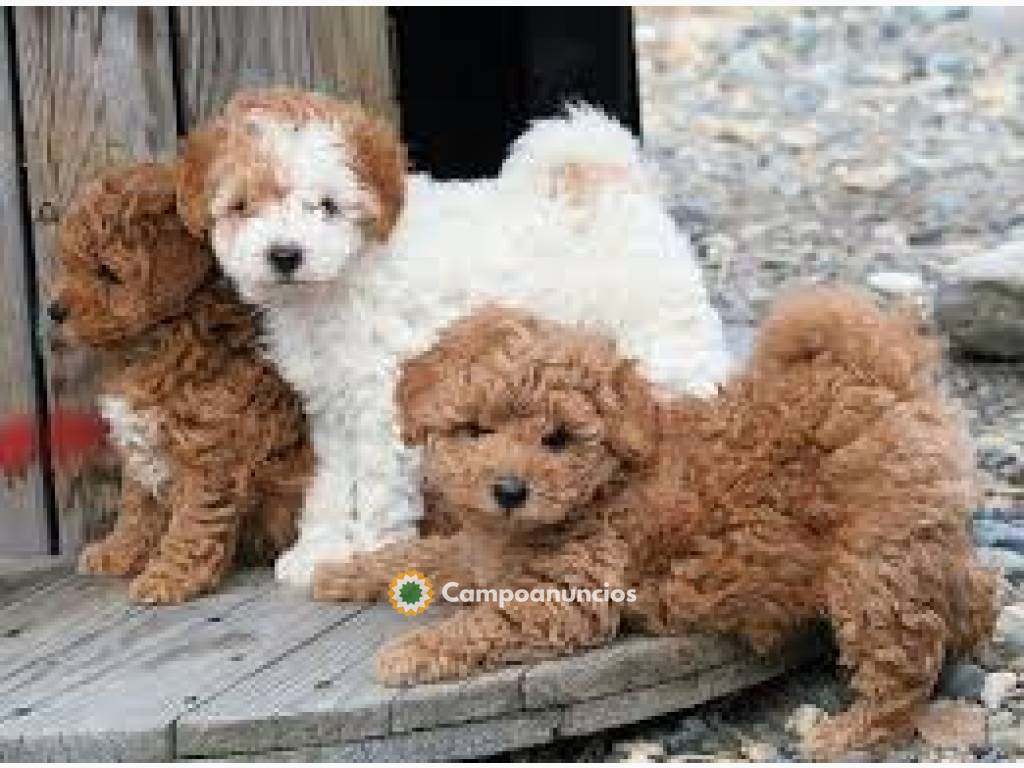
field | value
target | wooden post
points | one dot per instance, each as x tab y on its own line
343	51
96	89
24	527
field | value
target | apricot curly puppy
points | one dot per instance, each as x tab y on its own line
212	442
827	480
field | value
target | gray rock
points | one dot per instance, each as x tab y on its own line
1011	563
950	64
1000	535
897	285
1010	628
962	681
980	303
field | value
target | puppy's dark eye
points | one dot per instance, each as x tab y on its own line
330	206
557	439
107	275
473	430
238	207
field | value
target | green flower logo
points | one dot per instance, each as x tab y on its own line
410	593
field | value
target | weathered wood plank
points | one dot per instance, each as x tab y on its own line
23	527
458	742
638	663
116	694
430	706
700	686
44	624
340	50
96	88
22	576
326	693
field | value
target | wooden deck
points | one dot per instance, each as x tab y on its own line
258	672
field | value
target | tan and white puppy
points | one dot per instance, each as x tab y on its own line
358	268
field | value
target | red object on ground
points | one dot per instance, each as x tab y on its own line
73	435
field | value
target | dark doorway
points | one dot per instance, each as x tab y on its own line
470	79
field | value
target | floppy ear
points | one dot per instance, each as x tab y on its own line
431	386
194	182
631	413
380	163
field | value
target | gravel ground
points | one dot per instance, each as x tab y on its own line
849	144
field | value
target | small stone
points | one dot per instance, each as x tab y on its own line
998	686
962	681
743	131
641	751
980	303
950	64
897	285
799	138
1010	628
804	719
1006	734
1009	562
952	725
759	751
1000	535
871	178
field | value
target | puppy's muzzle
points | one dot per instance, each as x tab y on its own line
510	492
285	260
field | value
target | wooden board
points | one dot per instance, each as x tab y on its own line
114	693
260	672
343	51
96	88
23	527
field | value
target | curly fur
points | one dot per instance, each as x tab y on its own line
572	230
212	442
829	479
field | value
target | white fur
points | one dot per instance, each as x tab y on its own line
611	257
137	437
313	165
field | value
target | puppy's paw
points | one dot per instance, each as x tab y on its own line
113	557
347	582
157	588
406	662
295	567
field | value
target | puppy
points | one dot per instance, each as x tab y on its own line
827	480
310	213
212	442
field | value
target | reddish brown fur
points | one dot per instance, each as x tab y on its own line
178	343
829	479
227	145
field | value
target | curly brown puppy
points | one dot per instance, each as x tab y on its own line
827	480
212	442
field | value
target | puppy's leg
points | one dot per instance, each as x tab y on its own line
490	635
365	492
136	534
199	545
889	604
368	575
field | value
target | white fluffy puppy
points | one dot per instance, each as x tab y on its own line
303	197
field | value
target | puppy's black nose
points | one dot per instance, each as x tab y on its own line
510	492
285	259
57	312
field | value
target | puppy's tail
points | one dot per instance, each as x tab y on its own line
884	348
576	156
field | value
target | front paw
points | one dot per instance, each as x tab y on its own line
112	557
409	661
157	587
346	582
